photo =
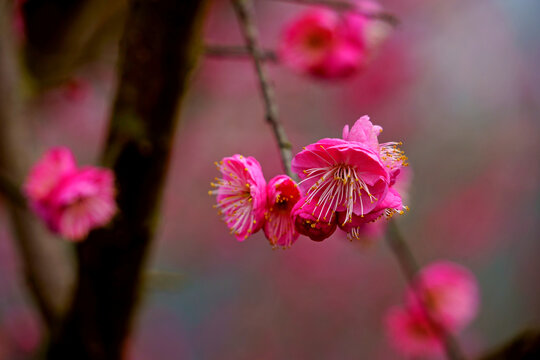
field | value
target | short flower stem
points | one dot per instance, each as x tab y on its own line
243	9
225	51
349	6
409	267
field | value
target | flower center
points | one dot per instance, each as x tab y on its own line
337	186
392	155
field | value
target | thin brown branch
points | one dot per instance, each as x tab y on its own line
160	48
348	6
243	9
409	267
224	51
45	263
525	345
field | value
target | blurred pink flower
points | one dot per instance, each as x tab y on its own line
71	201
411	333
449	292
325	44
82	202
282	194
51	168
306	223
241	195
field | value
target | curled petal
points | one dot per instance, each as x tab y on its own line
282	195
308	223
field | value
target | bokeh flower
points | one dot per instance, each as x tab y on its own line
324	44
444	300
449	292
46	174
241	195
82	202
411	333
71	201
282	194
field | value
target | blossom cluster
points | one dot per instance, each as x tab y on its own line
345	183
70	200
443	301
248	204
328	44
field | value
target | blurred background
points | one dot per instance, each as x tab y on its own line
456	81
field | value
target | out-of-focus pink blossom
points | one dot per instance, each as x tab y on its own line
241	195
449	292
444	291
82	202
411	333
306	223
325	44
282	194
46	174
71	201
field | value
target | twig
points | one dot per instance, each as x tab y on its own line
409	267
237	52
244	13
347	6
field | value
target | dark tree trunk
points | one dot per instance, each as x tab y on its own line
158	51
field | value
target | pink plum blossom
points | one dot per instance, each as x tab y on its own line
350	178
71	201
361	228
386	208
364	132
82	202
54	165
411	333
339	175
241	195
444	291
282	193
449	292
324	44
307	224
